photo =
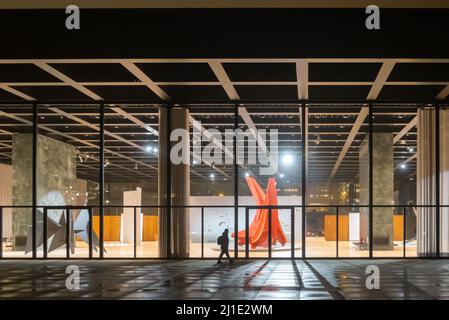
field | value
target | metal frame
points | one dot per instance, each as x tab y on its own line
168	205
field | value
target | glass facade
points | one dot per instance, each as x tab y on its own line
286	180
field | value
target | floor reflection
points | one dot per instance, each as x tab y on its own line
194	279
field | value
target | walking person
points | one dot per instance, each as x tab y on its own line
223	241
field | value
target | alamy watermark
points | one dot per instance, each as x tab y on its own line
261	146
372	281
72	282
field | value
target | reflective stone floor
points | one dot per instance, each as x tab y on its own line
194	279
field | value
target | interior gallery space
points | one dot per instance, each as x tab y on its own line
356	135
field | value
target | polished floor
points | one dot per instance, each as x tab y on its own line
203	279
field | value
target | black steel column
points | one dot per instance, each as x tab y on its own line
303	182
236	183
90	226
292	232
437	179
135	232
337	226
168	181
67	233
404	225
269	232
45	233
34	182
202	232
246	232
101	181
370	183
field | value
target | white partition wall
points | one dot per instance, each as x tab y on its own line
131	198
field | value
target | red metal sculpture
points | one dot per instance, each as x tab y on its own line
258	229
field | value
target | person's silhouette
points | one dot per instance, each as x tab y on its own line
223	241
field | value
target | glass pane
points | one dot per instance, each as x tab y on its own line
17	238
270	157
79	234
298	232
388	232
195	235
216	220
118	223
281	233
131	179
56	233
338	174
444	181
321	232
258	233
147	234
352	227
16	155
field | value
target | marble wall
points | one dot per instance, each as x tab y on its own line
56	172
383	190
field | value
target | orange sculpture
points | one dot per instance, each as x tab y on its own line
258	229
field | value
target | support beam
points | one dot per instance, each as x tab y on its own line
443	94
406	129
209	136
135	120
355	129
253	129
302	79
139	74
94	127
59	75
223	77
16	92
381	78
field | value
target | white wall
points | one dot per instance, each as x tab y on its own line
218	219
131	198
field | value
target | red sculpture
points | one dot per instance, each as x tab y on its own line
258	229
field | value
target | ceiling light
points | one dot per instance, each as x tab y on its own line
155	150
148	148
287	159
281	175
247	174
212	176
403	166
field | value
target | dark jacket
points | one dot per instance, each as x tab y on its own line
225	242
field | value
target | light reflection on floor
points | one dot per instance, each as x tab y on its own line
202	279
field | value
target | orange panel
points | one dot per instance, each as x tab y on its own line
150	228
330	227
111	230
398	228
